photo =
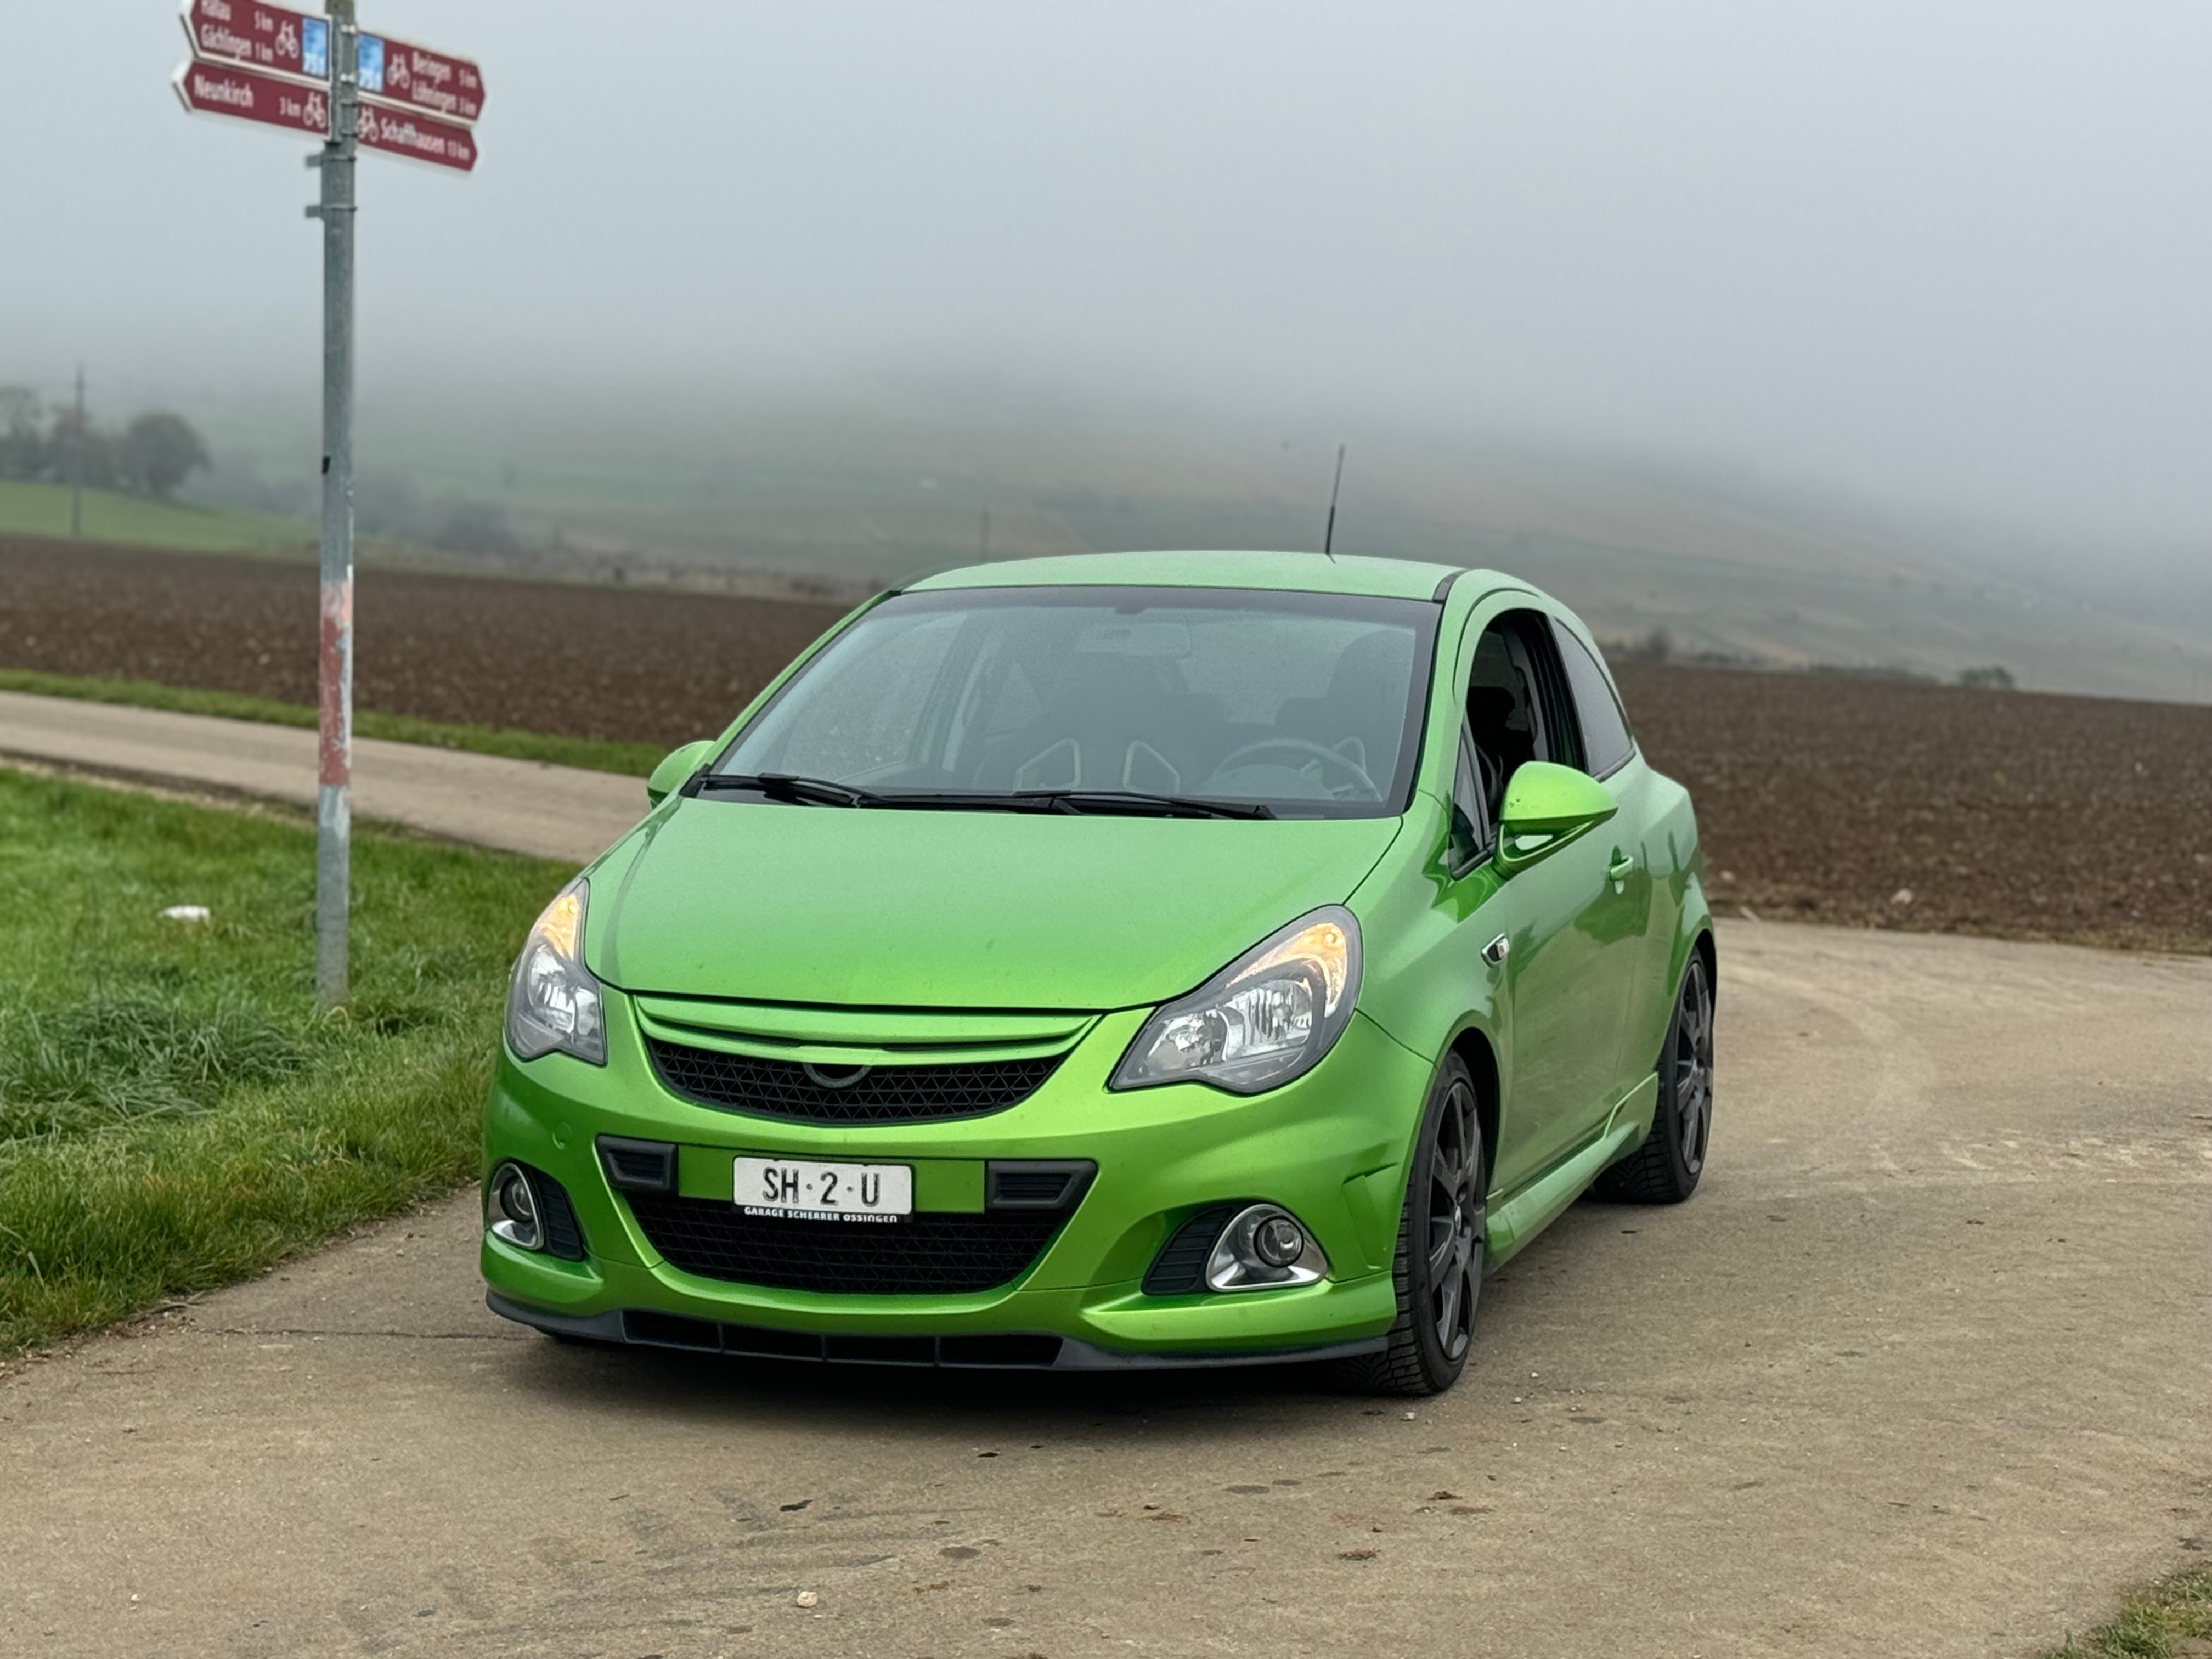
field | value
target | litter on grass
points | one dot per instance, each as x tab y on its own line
186	913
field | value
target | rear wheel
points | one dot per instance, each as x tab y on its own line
1665	1168
1438	1269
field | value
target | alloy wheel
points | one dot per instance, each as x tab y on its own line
1456	1222
1694	1068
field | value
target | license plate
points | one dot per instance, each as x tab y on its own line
823	1191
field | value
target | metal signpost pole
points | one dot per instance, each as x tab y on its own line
333	809
321	76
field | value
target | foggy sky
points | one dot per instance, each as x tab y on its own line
1958	251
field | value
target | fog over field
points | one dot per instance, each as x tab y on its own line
1897	307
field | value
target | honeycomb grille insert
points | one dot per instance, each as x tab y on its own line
928	1253
883	1094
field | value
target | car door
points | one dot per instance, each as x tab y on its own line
1605	750
1570	939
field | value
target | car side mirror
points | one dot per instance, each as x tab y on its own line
1547	806
670	774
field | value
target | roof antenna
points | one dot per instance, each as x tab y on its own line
1328	536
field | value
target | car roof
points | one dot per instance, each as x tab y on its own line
1296	573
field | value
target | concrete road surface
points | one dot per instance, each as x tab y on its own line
1924	1368
551	812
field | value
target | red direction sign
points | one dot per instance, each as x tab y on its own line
245	95
397	73
402	133
261	36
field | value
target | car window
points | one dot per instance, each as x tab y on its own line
1309	702
870	717
1513	701
1606	743
1472	817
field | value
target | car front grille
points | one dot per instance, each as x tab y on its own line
927	1253
881	1094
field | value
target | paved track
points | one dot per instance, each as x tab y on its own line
1922	1369
551	812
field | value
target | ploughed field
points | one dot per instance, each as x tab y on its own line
1821	798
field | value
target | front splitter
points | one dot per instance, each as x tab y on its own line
1037	1350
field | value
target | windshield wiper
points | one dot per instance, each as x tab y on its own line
789	787
1133	803
1137	802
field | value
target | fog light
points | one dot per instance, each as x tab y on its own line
1264	1247
511	1209
1278	1241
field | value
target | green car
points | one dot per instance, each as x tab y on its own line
1114	961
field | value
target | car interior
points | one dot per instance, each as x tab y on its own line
1287	707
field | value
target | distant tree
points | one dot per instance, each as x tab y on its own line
159	450
22	439
1995	677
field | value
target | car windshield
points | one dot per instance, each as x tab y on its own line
1306	704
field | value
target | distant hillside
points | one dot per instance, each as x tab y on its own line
842	495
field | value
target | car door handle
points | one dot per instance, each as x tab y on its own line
1494	952
1621	868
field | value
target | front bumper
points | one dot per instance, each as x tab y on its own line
1331	1147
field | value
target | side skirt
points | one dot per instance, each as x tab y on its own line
1515	1219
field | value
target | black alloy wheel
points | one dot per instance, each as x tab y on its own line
1438	1269
1666	1167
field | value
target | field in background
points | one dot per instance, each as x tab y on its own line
174	1113
43	510
1822	797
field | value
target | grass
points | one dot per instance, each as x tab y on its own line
43	509
595	754
174	1114
2165	1620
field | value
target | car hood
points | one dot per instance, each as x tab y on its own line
761	901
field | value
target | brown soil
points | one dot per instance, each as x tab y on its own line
1876	803
1821	798
594	662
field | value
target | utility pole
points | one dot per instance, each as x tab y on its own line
334	666
76	462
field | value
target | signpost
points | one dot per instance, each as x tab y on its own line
399	132
260	37
414	77
321	78
245	95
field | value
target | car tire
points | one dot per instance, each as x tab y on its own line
1437	1269
1666	1168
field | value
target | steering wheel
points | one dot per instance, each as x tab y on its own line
1312	751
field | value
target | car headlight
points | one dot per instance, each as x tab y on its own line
1266	1017
554	1002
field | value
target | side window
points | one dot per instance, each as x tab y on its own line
1516	701
1471	818
1606	742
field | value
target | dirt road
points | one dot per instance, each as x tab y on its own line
549	812
1922	1370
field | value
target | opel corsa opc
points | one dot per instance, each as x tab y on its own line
1114	961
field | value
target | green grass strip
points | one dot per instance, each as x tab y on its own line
31	508
594	754
174	1113
2166	1621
